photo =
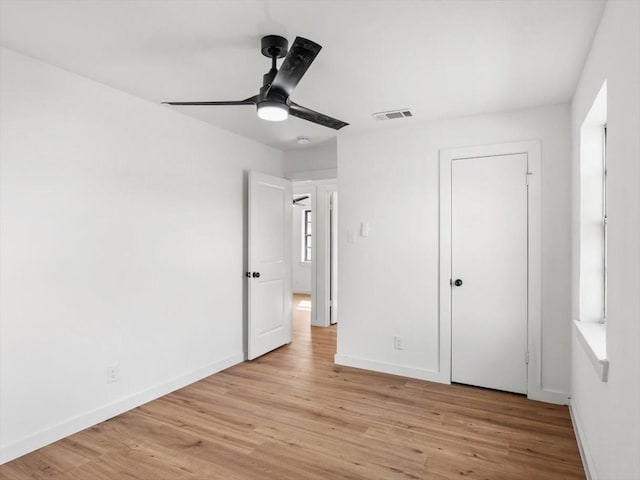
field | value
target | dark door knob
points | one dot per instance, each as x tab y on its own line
458	282
247	274
256	274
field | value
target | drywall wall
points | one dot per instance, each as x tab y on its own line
301	271
607	415
313	162
122	240
389	280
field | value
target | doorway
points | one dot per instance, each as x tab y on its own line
490	292
276	212
315	252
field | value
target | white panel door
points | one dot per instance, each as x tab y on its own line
269	273
489	272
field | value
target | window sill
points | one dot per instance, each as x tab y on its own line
593	337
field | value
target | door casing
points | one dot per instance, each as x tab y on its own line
322	307
534	257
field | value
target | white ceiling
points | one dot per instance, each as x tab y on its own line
441	58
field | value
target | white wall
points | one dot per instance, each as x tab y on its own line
607	415
389	280
122	242
301	271
313	162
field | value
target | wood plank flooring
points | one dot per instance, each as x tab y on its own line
293	414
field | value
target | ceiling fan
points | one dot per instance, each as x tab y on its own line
296	201
272	101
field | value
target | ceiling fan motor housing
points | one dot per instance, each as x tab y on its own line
274	45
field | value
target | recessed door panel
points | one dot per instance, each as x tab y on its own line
270	222
269	295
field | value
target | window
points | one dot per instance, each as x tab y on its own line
604	223
592	326
593	212
306	235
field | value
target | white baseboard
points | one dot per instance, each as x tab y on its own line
549	396
394	369
587	460
88	419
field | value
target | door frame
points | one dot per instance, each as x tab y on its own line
322	307
534	255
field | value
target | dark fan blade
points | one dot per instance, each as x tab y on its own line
249	101
299	199
295	64
315	117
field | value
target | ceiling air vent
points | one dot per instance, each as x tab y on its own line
393	114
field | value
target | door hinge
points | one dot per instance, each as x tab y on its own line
526	177
526	358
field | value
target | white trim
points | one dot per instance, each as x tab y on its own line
391	368
534	324
549	396
587	459
314	254
88	419
323	268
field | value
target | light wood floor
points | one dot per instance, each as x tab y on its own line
293	414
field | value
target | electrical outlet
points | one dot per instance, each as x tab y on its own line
113	374
398	342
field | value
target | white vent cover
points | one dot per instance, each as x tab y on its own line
393	114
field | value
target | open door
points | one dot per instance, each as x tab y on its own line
269	272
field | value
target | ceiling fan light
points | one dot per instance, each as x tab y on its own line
273	112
